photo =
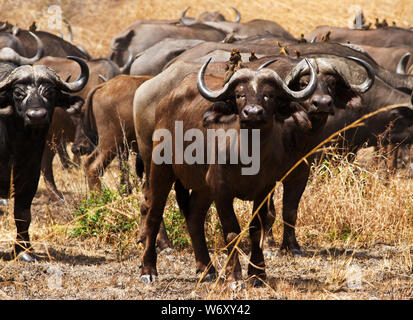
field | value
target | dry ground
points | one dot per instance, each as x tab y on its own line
355	220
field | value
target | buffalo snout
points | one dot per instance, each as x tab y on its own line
253	113
36	113
323	103
37	117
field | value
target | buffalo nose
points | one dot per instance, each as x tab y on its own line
323	103
252	111
36	113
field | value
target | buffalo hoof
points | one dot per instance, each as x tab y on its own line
162	244
148	279
28	257
209	277
256	282
297	253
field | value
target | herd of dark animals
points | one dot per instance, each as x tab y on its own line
209	73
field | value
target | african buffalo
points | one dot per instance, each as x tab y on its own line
11	49
53	45
238	31
139	37
250	99
29	95
383	37
106	129
152	60
63	126
146	98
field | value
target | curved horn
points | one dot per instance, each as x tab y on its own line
266	64
313	40
238	17
8	54
297	95
128	63
186	21
371	74
7	111
217	95
78	84
39	53
69	30
401	66
204	90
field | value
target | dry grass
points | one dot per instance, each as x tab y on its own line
354	218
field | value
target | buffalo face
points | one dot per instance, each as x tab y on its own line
256	96
32	92
334	89
34	103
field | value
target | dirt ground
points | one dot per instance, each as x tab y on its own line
73	269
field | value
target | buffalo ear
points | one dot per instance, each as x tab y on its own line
404	112
71	104
345	97
219	112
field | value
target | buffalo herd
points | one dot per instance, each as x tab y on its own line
168	88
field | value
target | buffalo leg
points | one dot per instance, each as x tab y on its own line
195	213
161	180
162	240
24	194
95	165
294	187
259	227
231	230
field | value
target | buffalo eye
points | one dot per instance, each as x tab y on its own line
332	82
240	96
19	94
48	92
303	83
268	97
